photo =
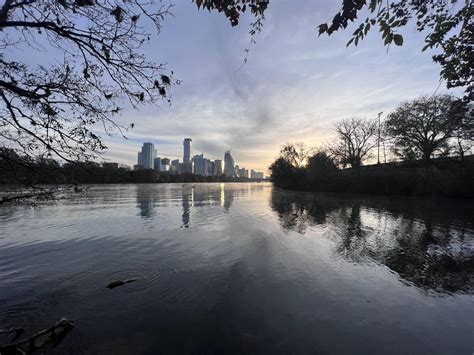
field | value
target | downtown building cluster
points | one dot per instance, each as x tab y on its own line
197	164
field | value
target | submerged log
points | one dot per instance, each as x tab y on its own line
15	331
38	340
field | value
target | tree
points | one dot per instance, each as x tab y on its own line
288	168
355	139
321	164
282	172
58	110
464	132
296	154
447	24
423	126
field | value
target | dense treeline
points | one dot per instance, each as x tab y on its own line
15	170
433	137
442	178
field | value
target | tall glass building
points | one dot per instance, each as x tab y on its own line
187	166
146	158
229	169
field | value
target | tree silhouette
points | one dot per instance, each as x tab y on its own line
354	141
424	126
296	154
57	110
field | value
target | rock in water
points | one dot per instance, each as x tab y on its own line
118	283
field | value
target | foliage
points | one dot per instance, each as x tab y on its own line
424	126
355	138
281	167
321	164
232	9
464	131
283	173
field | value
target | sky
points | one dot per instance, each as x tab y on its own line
293	87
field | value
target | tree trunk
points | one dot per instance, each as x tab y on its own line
427	155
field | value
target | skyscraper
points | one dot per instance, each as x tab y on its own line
187	167
217	168
202	166
229	169
147	156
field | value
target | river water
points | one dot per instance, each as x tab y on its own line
240	268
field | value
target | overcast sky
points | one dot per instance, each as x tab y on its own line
293	87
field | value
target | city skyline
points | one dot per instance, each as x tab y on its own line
198	164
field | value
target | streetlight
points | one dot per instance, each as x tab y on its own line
378	141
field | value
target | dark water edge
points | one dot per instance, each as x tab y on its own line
241	268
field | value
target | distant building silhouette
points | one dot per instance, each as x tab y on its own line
242	172
229	169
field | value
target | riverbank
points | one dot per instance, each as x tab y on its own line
454	179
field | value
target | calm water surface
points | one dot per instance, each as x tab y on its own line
241	268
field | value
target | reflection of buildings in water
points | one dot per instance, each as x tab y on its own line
191	197
228	195
144	201
432	254
202	196
187	201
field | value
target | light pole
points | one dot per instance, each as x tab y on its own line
378	141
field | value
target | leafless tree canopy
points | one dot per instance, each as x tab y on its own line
354	141
94	65
296	154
